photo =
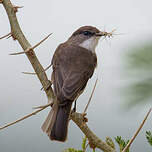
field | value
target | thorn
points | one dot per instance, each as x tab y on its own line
43	106
48	67
16	8
90	96
31	48
23	118
7	35
41	41
33	73
42	88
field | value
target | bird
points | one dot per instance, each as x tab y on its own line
73	64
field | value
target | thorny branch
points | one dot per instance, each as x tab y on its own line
17	34
25	117
31	48
7	35
16	8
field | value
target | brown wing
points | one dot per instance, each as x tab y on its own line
72	67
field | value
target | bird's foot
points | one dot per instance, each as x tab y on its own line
85	119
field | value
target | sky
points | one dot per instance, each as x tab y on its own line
19	92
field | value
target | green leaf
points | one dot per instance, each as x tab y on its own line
139	74
84	143
149	137
122	143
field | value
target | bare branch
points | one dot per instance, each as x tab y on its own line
138	130
43	106
25	117
30	73
91	96
31	48
16	8
41	41
18	34
7	35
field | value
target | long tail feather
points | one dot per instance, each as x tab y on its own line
50	120
60	127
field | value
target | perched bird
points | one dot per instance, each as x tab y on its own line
73	65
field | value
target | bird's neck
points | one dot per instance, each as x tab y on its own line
90	44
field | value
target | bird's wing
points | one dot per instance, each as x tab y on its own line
73	66
74	84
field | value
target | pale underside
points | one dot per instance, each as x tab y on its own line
90	44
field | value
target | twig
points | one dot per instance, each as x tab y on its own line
16	8
7	35
31	48
91	96
33	73
43	106
138	130
41	41
25	117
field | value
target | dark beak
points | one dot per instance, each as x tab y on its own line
101	34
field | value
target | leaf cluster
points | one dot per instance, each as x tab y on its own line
149	137
122	143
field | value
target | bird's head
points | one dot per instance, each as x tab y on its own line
87	37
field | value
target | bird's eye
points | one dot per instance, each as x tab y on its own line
87	33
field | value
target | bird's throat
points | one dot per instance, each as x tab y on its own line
90	44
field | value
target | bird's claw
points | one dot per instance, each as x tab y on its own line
85	119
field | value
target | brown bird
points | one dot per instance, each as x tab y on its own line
73	65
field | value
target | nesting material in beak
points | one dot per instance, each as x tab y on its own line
105	34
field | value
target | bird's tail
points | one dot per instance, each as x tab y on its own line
56	124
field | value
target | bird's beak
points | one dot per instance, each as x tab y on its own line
105	34
101	34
